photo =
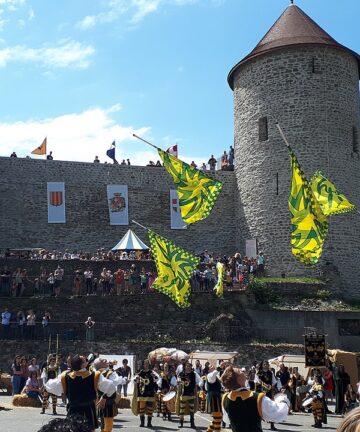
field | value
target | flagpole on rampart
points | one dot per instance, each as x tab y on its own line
137	223
282	135
147	142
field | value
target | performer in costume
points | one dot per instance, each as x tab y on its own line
109	411
80	387
265	381
245	408
317	405
166	383
213	398
144	394
202	395
186	399
50	371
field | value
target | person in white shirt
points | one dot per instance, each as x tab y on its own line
80	387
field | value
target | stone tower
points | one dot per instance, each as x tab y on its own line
300	77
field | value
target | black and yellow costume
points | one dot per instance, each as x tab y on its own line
244	410
266	386
165	388
318	405
144	397
213	404
80	388
108	413
51	372
186	399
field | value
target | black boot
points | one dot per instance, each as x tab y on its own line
169	416
149	425
181	423
164	416
54	411
272	427
192	423
142	421
43	411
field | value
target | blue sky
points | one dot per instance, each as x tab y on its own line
87	72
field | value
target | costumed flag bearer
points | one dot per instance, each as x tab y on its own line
213	398
109	411
245	408
144	394
81	386
317	405
186	399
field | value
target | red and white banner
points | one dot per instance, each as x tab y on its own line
56	202
173	150
176	221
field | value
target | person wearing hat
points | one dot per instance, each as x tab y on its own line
244	408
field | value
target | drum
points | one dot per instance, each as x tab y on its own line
307	402
169	400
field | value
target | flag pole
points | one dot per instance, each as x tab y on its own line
282	135
147	142
137	223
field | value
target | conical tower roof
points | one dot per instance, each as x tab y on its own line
293	28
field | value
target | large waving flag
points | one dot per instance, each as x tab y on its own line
310	204
219	287
111	152
174	266
197	191
41	150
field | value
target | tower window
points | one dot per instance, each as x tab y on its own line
315	66
355	140
263	129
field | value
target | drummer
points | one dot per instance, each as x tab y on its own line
166	384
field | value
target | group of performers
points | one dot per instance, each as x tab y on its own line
91	393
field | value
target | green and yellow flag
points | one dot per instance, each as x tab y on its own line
174	267
197	191
331	201
310	204
219	287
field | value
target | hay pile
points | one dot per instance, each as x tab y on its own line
22	400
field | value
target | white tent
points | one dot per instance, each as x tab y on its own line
130	241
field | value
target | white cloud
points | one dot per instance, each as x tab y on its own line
134	11
68	54
76	137
82	136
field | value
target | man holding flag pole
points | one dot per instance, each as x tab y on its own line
41	150
111	153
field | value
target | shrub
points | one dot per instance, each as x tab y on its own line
323	294
262	292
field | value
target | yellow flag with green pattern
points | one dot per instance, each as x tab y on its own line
310	204
308	224
219	287
197	192
331	201
174	266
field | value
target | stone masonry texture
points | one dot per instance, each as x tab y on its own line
317	112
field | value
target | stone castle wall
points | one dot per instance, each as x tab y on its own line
23	211
317	112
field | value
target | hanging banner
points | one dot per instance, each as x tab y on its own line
315	350
177	221
117	196
56	202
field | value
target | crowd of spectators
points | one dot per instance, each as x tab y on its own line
23	325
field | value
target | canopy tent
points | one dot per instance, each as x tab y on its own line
130	241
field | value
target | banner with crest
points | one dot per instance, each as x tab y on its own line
176	221
117	198
56	202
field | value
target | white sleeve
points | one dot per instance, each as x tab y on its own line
106	386
211	377
275	411
273	382
159	382
256	379
54	386
117	379
197	379
173	381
